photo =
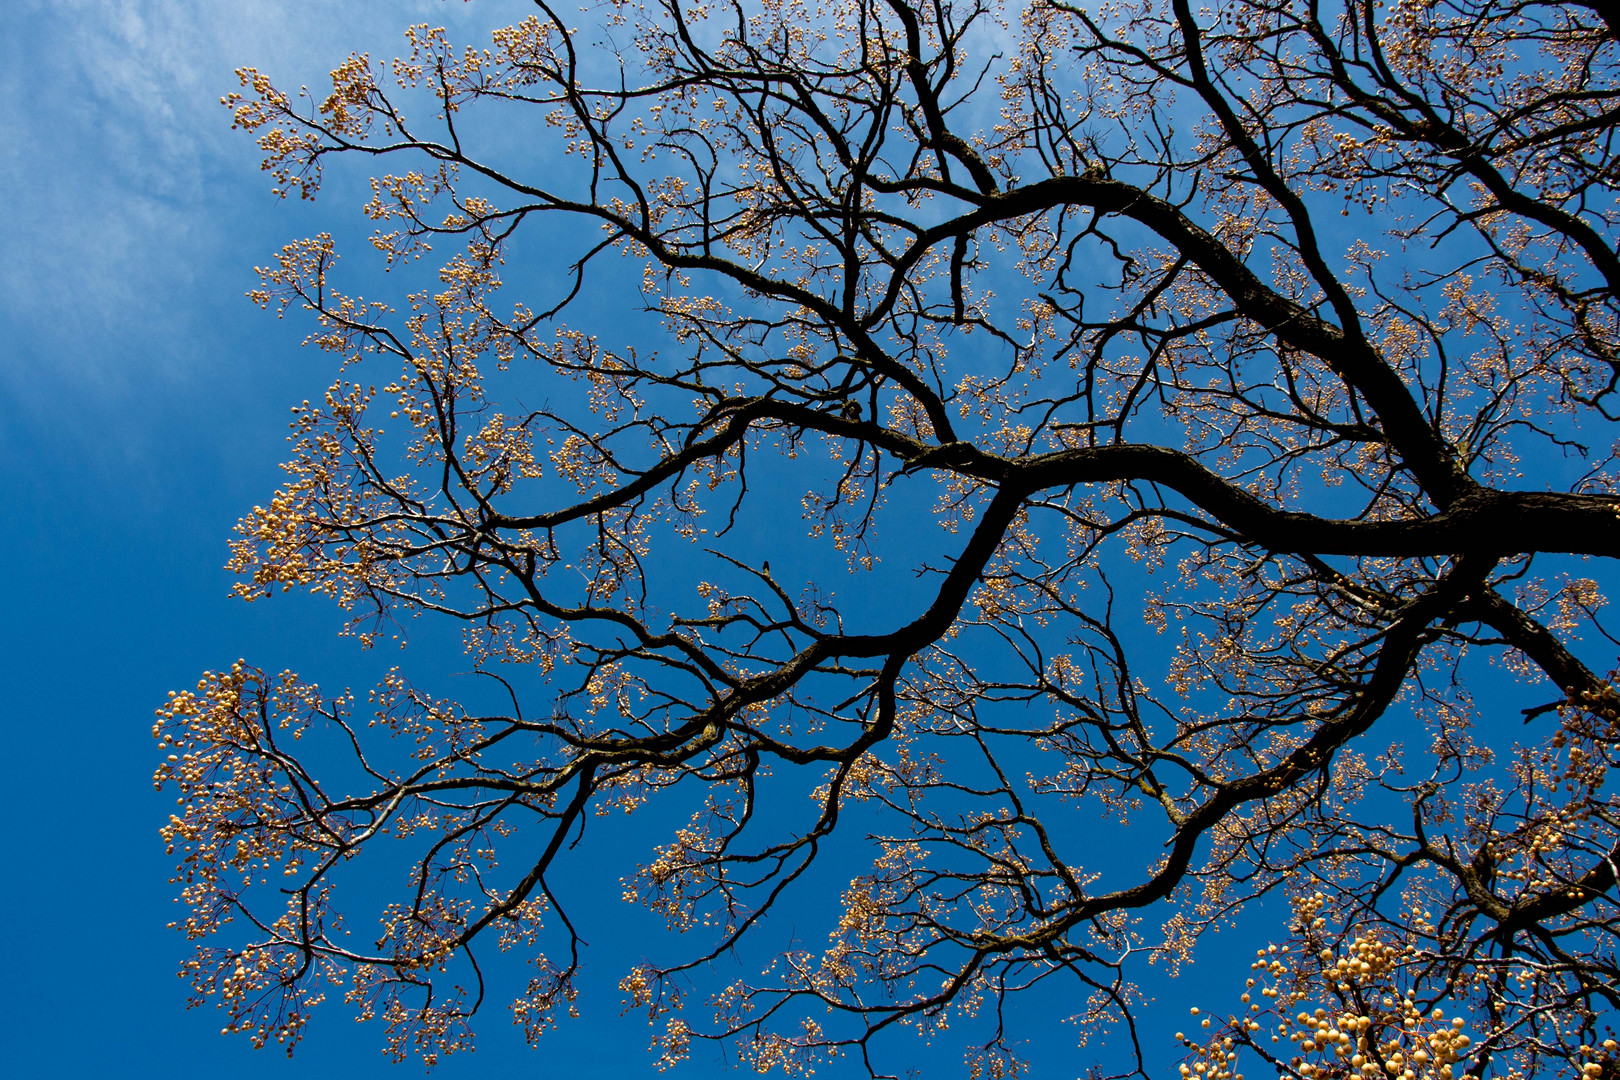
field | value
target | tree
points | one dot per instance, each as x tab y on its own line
1260	365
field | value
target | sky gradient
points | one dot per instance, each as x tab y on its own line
143	404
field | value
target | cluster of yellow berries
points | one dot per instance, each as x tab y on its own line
1603	702
1368	959
1600	1060
1385	1035
1395	1047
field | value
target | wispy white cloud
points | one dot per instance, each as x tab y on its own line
126	194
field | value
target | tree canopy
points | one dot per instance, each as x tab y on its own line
1201	427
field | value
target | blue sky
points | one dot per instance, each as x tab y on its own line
143	402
